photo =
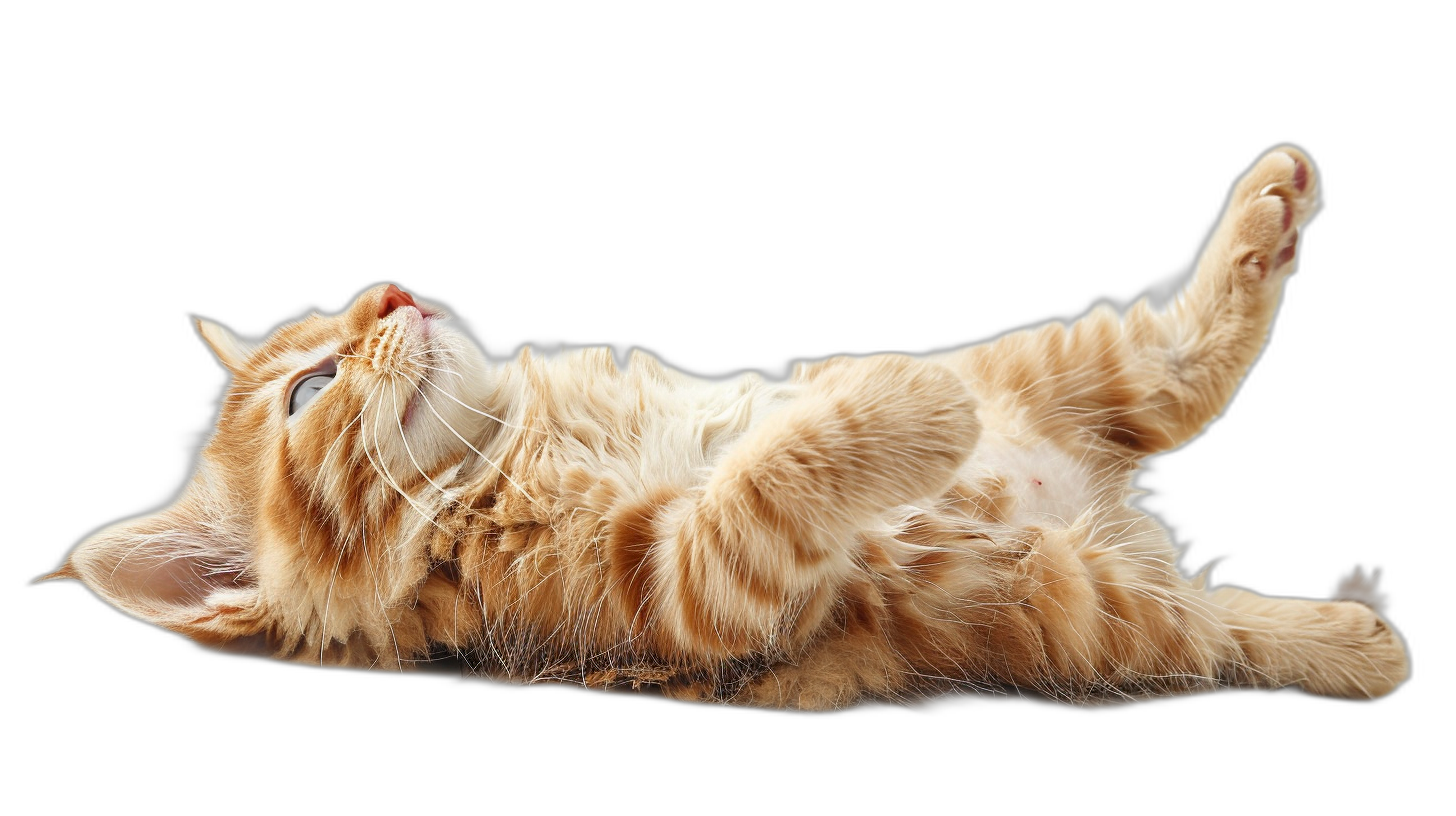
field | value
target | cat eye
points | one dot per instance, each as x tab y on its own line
309	385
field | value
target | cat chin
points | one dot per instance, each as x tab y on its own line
436	423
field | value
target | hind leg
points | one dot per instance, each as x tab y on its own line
1196	352
1150	380
1088	615
1338	648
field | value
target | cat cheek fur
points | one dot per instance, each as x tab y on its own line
877	526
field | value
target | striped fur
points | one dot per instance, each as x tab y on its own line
880	526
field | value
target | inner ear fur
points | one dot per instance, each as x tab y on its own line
175	567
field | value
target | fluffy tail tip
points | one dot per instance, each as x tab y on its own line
1365	589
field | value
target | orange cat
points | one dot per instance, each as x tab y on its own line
378	493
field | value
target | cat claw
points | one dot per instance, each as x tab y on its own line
1270	203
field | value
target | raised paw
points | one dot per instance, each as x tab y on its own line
1268	206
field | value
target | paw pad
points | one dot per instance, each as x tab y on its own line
1269	205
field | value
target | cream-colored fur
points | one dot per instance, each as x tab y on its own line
877	526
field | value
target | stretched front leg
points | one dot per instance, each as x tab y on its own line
1151	380
755	558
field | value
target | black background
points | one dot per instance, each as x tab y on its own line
724	230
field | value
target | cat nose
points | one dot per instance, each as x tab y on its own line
394	297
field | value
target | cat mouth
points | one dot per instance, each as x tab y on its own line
409	412
413	404
395	298
422	328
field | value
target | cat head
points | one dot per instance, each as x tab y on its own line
308	519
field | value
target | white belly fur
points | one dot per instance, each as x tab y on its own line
1051	489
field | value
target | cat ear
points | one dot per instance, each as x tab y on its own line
187	568
231	351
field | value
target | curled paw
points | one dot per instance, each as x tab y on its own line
1268	206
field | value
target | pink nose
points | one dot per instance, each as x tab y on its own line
394	297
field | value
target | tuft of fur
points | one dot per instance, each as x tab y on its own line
1362	588
883	526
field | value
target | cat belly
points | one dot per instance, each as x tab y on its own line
1047	487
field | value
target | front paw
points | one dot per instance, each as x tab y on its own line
869	434
1268	206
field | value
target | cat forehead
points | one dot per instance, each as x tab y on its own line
300	344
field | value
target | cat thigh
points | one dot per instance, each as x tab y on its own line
759	551
1150	380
